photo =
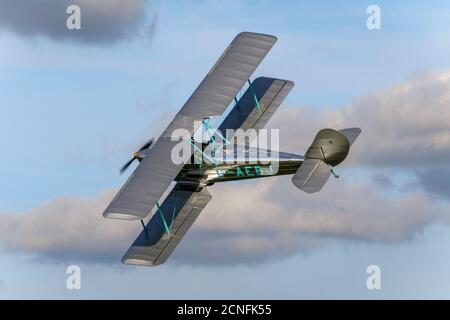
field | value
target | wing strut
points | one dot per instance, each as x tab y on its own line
254	96
167	227
216	131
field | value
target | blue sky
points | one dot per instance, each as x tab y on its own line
72	111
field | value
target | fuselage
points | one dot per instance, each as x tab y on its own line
240	167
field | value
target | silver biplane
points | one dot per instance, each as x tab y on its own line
173	193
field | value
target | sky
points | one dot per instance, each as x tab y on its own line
75	105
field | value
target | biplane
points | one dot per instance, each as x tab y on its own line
167	196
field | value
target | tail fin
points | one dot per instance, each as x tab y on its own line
329	148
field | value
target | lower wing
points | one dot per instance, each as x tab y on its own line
167	227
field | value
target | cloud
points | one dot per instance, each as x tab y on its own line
383	180
67	228
265	220
405	130
273	219
102	21
435	181
405	125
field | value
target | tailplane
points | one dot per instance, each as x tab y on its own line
329	148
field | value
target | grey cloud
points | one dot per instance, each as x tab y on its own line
435	181
271	219
265	220
67	228
405	125
406	129
383	180
102	21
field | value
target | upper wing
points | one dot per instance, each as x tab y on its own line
177	213
222	83
224	80
269	93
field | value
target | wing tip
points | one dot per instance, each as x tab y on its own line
139	262
288	82
249	33
304	187
120	216
351	133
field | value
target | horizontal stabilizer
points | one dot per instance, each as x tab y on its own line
312	175
329	148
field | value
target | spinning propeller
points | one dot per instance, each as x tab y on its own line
137	155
